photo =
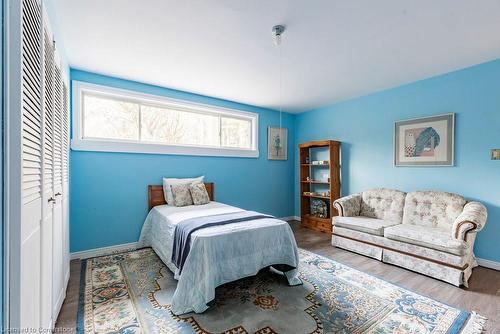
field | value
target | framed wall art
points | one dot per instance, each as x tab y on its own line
427	141
277	143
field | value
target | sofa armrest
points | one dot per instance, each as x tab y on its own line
348	206
472	219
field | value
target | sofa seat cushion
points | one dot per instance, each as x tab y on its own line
433	238
363	224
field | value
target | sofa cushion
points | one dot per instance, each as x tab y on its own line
363	224
432	209
381	203
434	238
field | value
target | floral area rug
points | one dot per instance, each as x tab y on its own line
131	292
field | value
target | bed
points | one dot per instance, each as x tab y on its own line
218	254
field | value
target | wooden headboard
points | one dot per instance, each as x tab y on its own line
156	196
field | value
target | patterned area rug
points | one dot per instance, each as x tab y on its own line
131	292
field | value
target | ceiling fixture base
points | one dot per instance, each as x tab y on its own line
277	31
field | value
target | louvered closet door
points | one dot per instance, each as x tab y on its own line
31	213
65	181
48	189
57	235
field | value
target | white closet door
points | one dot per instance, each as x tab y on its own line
31	192
48	189
37	168
57	235
65	181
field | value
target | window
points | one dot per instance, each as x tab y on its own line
115	120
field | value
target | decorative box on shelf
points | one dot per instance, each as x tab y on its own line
320	162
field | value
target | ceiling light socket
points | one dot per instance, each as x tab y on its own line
277	31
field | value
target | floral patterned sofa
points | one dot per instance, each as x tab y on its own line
429	232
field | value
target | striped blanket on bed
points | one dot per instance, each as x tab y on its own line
184	230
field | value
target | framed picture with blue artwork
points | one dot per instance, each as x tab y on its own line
277	139
427	141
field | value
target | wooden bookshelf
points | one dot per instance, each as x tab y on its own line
307	170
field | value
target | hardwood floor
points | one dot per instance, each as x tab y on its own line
483	295
66	322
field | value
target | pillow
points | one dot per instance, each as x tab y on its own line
199	193
181	195
169	182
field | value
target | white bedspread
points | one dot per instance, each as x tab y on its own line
218	254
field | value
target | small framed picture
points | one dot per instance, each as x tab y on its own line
427	141
277	140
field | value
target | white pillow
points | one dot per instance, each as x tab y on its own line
168	182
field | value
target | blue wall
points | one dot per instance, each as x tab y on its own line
109	190
365	127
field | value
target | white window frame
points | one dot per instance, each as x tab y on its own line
79	143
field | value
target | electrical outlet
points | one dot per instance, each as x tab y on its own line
495	154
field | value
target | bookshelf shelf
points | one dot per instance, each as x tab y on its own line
316	196
316	165
315	182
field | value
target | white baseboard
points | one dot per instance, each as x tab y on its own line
102	251
488	264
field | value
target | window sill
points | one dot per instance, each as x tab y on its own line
125	147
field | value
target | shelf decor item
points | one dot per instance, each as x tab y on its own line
277	142
425	141
319	208
319	183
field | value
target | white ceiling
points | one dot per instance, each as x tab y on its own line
332	49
